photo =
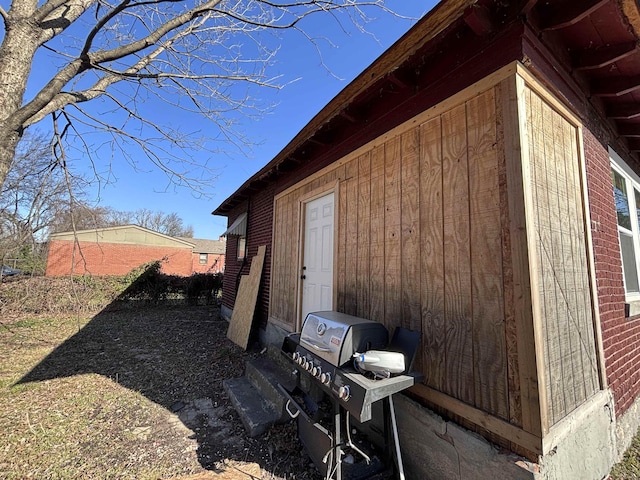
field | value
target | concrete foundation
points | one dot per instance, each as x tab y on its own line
273	335
582	446
436	449
626	428
226	312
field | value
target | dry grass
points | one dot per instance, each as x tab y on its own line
127	394
629	467
96	395
84	425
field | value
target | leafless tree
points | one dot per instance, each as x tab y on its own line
79	215
200	56
168	223
82	216
33	195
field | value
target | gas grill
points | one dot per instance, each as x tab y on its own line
347	372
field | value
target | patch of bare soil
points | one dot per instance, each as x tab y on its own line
131	393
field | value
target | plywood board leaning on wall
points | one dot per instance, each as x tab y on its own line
245	306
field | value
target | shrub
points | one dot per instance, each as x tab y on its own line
199	285
145	284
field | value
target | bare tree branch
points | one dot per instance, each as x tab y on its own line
200	56
55	16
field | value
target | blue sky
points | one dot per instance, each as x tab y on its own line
294	105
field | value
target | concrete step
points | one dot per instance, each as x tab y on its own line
256	413
274	352
265	374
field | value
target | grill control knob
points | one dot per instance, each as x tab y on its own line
325	378
308	365
295	356
301	360
316	371
344	393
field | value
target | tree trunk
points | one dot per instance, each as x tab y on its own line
16	58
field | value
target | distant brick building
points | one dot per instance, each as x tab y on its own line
208	255
117	250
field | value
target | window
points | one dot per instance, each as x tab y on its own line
242	247
204	258
626	194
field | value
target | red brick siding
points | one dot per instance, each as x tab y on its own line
215	263
233	266
259	232
260	228
621	336
113	258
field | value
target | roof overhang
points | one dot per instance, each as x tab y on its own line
595	42
434	23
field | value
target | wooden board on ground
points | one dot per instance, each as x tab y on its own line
244	308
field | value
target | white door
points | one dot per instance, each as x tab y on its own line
317	262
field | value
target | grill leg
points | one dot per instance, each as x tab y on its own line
396	440
337	420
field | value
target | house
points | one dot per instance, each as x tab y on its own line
117	250
208	255
476	183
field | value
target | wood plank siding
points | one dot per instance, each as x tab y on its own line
571	361
437	224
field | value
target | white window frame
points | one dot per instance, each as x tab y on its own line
241	250
632	183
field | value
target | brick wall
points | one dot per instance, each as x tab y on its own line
214	264
259	232
620	335
233	267
113	258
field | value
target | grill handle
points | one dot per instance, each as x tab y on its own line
316	347
291	414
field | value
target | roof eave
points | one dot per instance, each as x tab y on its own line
430	26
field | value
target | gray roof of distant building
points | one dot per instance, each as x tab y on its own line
203	245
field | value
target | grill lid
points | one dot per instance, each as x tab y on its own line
335	336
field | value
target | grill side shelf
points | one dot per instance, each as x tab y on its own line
365	392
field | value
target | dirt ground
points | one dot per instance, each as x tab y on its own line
131	393
136	393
